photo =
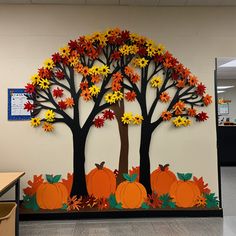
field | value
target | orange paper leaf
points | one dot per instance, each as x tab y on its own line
68	182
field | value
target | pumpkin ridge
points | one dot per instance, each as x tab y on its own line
108	178
89	177
140	195
122	194
55	203
60	192
64	193
107	171
55	190
43	191
196	191
39	196
101	182
192	191
119	190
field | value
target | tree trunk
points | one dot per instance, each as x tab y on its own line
118	108
144	179
79	187
124	152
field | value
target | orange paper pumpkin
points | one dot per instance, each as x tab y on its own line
130	193
162	179
51	195
101	181
184	191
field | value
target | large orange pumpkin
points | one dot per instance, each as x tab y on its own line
130	193
161	179
184	191
51	195
101	181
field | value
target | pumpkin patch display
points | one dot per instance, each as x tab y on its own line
162	179
121	87
130	193
101	181
184	191
51	194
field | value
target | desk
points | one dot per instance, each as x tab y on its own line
7	181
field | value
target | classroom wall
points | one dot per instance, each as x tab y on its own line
30	34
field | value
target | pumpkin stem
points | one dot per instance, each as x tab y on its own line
100	166
130	178
53	179
163	168
184	177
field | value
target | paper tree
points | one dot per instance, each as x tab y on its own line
105	69
173	86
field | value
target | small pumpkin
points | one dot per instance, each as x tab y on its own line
101	181
184	191
51	195
161	179
130	193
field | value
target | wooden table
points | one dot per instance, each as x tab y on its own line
7	181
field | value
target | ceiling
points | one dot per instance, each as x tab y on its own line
128	2
225	72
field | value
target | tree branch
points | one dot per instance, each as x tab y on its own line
59	111
155	71
59	84
186	92
158	93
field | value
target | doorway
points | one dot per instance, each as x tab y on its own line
226	110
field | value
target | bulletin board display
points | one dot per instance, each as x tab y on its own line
107	77
16	100
223	109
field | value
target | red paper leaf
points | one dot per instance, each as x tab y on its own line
37	181
202	186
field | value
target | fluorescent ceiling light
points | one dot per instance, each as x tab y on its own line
224	87
220	91
229	64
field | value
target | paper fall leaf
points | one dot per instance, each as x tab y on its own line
37	181
202	186
68	182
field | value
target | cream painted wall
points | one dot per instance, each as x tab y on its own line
29	34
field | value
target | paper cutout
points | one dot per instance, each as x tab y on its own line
101	181
201	185
51	194
182	193
130	193
37	181
167	201
103	69
153	200
162	179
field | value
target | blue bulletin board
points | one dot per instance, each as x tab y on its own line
16	101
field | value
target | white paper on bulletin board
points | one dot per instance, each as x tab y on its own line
16	101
